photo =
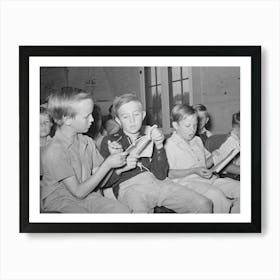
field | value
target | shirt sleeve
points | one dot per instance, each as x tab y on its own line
57	165
104	150
159	163
97	158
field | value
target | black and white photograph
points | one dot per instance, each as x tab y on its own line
120	138
139	140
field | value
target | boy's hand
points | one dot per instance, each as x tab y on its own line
204	172
157	137
131	163
116	160
114	147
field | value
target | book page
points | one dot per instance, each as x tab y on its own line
143	147
223	163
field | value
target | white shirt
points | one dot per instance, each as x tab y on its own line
185	155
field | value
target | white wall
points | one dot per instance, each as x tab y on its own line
218	88
109	81
139	256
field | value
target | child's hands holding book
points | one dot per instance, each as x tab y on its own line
114	147
131	163
116	160
203	172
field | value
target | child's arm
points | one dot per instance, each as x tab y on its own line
179	173
159	164
81	190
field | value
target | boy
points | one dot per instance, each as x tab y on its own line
141	184
203	119
72	166
189	160
232	142
45	130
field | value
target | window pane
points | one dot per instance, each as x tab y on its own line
153	105
185	71
158	69
186	91
159	108
176	73
153	76
176	90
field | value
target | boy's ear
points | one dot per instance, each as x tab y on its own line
144	115
67	120
175	125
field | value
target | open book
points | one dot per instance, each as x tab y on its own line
143	147
224	162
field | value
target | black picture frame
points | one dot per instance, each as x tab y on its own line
254	52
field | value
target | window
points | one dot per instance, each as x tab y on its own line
164	88
153	95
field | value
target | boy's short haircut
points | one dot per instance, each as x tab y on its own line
123	99
236	119
179	111
60	102
201	108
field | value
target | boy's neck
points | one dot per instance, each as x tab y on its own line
133	136
68	132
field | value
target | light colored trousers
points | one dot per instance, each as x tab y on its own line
144	191
61	200
223	192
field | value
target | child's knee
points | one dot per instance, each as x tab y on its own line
120	208
205	205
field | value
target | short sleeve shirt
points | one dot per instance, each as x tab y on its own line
185	155
63	159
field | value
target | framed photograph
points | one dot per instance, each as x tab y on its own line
203	170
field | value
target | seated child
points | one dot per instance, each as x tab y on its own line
46	124
96	130
110	125
203	119
72	165
189	160
232	142
141	184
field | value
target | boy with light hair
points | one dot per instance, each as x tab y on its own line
73	167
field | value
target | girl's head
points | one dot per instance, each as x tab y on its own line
184	121
45	122
202	114
236	123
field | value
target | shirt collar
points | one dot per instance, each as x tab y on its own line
68	142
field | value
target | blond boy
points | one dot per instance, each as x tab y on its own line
72	165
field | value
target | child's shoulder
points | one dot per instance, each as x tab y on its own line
197	140
53	150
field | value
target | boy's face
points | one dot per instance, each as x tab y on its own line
202	119
130	117
186	128
45	125
83	119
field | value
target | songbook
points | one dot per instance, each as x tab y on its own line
142	147
224	162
